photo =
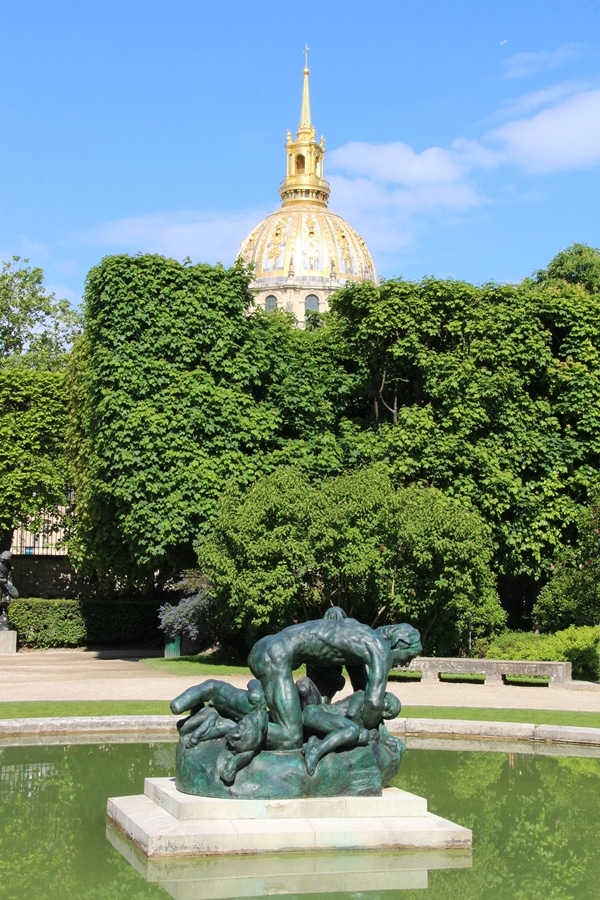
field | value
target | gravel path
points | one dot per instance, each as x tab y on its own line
106	675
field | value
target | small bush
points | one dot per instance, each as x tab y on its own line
577	645
42	624
184	619
194	616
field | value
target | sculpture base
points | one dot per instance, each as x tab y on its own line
281	774
165	822
8	642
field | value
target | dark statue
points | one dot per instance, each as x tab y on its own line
282	738
7	589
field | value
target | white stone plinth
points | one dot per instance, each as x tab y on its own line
8	642
164	822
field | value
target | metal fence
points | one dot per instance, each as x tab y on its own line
47	542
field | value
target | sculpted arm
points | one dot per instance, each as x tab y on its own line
379	664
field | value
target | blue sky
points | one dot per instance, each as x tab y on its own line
463	139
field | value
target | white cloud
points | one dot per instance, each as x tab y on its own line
566	136
391	193
396	163
474	155
521	106
523	64
202	235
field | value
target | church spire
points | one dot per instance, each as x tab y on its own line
305	120
305	156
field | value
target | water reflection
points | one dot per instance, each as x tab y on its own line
307	874
535	823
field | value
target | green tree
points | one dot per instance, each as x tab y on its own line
34	476
162	412
176	392
36	330
572	596
287	550
491	394
300	378
578	264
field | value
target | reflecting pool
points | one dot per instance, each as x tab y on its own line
535	822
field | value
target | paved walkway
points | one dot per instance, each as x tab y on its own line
108	675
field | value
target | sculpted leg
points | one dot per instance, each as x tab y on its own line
193	697
285	732
347	735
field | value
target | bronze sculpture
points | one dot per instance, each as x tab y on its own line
7	589
282	738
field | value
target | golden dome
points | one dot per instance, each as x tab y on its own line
303	252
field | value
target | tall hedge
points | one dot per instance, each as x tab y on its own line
41	624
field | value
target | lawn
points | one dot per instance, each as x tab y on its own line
203	664
35	709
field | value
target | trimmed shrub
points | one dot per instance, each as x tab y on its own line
74	623
577	645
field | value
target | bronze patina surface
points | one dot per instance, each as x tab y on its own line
282	738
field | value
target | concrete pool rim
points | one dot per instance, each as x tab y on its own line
402	727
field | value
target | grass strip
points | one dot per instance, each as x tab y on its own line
195	665
66	708
532	716
43	709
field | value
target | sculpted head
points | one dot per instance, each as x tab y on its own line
404	641
308	692
335	612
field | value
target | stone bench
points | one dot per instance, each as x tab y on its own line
495	670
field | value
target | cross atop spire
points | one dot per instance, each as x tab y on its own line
305	119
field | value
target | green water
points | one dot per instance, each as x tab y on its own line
535	822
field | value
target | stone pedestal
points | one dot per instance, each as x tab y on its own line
8	642
163	822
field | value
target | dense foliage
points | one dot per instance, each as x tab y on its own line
35	333
177	391
447	408
572	596
33	465
288	549
491	393
579	646
578	264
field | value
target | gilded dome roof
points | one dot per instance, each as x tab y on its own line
309	243
303	246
